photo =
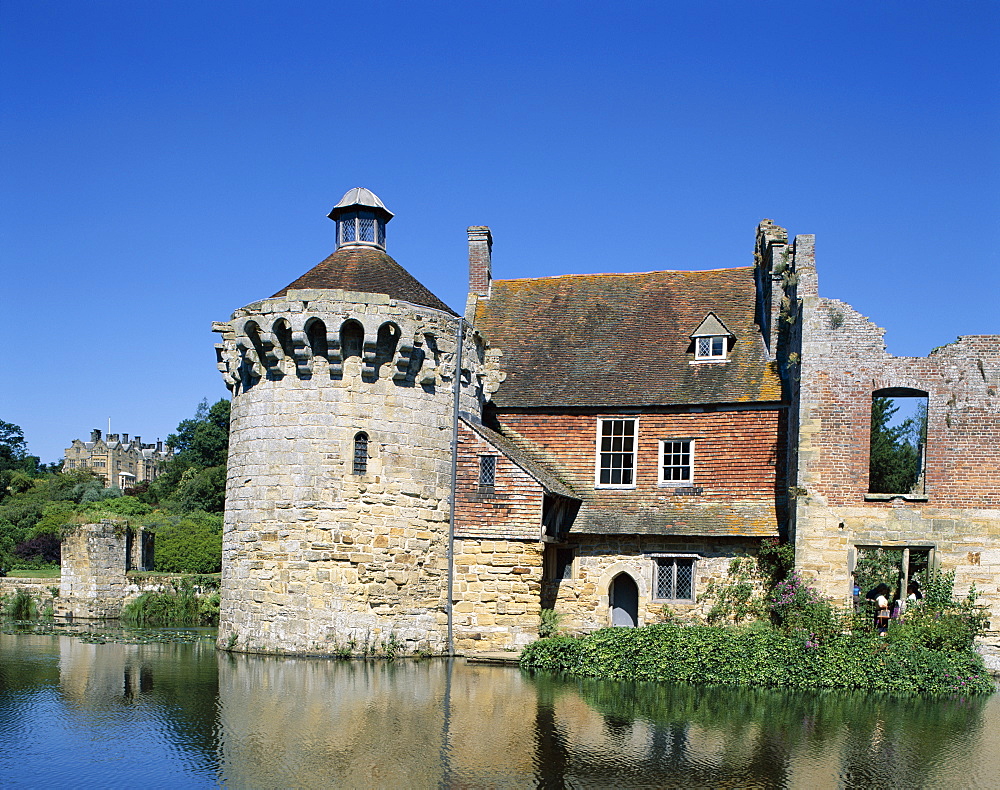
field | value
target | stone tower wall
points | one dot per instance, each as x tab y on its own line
316	558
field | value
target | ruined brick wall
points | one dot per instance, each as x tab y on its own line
843	362
511	508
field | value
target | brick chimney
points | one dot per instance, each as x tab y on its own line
95	435
480	266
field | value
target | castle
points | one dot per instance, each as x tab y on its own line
600	445
120	462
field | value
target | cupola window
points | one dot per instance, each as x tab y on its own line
361	226
361	219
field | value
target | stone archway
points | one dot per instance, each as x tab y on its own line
623	595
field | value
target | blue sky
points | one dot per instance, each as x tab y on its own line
164	163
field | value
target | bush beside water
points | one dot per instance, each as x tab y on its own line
181	607
760	656
805	642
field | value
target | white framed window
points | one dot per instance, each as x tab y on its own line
616	443
713	347
676	462
673	577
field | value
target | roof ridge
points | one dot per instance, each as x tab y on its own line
624	274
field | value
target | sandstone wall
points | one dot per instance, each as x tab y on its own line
316	557
498	589
583	599
94	560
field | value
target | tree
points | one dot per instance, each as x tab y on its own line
14	451
194	478
204	440
894	462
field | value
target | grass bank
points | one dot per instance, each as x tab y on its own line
37	573
761	656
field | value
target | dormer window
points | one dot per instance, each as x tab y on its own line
711	340
711	347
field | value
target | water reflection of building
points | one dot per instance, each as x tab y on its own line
172	687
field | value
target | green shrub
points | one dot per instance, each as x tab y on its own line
737	597
718	655
548	623
189	544
796	608
181	607
21	606
555	654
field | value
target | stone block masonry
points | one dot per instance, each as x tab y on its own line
331	542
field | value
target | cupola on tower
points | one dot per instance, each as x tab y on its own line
361	219
337	517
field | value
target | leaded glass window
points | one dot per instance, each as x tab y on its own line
674	578
487	470
348	228
361	453
366	226
711	348
616	453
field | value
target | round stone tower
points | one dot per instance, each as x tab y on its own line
337	500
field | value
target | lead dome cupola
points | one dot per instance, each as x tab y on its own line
361	219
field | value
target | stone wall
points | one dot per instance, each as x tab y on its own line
957	514
39	589
498	593
315	556
583	598
94	561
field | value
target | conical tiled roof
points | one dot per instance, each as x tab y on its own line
367	270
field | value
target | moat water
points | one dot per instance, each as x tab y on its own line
74	714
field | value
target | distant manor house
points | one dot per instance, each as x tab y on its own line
121	462
600	445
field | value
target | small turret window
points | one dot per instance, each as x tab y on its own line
348	228
361	226
360	453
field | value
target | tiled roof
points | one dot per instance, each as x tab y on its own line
604	515
625	339
535	468
367	270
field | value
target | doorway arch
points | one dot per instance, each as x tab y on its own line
623	595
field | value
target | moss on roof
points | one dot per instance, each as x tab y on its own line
625	339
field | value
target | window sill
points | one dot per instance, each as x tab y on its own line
707	361
614	488
686	490
890	497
